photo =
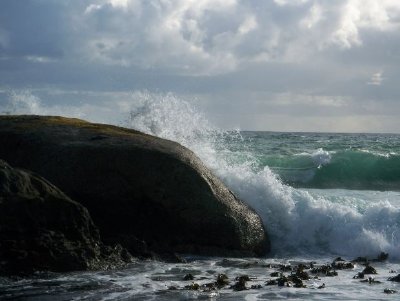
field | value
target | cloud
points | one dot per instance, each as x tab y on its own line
189	37
376	79
304	57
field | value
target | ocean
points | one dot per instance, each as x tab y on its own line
320	196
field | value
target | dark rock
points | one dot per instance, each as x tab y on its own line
240	284
321	286
272	282
331	274
395	278
360	260
369	270
43	229
135	185
243	278
222	280
325	270
193	287
188	277
389	291
359	275
302	274
285	268
172	288
338	259
342	265
381	257
282	281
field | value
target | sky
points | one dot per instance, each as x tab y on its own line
275	65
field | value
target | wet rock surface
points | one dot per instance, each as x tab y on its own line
150	195
43	229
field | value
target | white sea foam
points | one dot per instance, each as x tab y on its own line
321	157
297	220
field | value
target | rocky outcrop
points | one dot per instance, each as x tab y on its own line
136	187
42	229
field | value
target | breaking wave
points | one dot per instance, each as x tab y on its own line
299	222
350	169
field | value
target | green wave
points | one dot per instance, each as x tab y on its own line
345	169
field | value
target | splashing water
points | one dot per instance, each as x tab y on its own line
298	221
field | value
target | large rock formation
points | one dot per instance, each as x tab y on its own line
42	229
135	186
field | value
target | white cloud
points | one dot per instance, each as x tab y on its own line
358	15
376	79
314	16
317	56
290	2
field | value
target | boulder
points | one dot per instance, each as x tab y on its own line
136	187
43	229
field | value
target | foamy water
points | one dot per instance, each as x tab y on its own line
298	221
162	281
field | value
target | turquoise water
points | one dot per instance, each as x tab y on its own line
326	160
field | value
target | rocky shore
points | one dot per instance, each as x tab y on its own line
221	278
91	196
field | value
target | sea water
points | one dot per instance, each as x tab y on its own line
320	196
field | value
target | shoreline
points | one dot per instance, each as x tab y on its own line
222	278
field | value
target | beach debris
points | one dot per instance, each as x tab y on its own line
389	291
321	286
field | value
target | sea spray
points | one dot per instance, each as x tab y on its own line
298	221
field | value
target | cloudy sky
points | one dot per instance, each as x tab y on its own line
281	65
